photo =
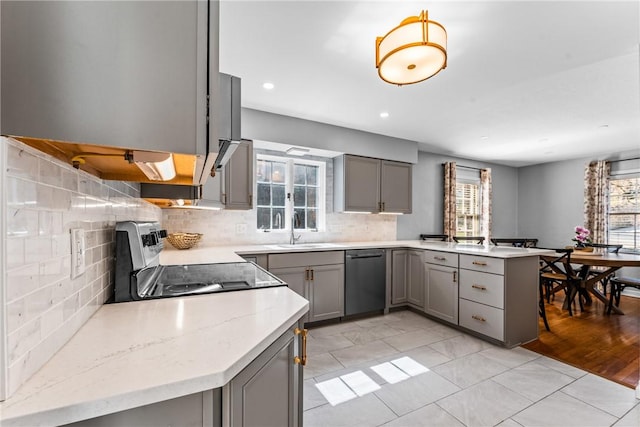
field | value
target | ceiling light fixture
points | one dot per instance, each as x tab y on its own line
156	166
412	52
384	115
297	151
268	85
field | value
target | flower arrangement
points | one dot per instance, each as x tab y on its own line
583	236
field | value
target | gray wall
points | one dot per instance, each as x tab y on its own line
260	125
428	197
550	201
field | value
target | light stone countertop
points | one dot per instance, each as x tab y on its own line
209	254
137	353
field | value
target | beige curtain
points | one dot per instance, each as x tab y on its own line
485	185
596	199
449	227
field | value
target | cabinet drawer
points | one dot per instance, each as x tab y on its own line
481	318
482	263
304	259
441	258
485	288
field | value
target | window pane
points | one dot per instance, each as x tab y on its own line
264	194
312	175
624	213
299	198
311	197
312	221
278	195
301	218
299	175
278	173
278	218
263	171
264	218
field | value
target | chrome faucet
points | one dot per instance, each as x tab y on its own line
295	222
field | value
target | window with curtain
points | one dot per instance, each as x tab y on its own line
624	205
288	187
467	208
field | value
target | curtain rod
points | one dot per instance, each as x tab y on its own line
469	167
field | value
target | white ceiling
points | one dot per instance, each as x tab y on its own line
526	82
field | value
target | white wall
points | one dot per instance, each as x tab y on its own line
428	195
43	199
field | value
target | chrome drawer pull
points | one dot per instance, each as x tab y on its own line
479	263
480	287
479	318
439	258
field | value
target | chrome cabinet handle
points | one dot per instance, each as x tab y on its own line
479	287
301	360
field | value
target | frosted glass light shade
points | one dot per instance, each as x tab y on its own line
412	52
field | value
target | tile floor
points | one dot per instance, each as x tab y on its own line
403	369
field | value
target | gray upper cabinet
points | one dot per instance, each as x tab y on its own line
364	184
125	74
238	178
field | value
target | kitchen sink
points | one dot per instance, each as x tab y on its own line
305	246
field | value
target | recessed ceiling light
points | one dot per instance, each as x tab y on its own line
384	115
603	126
268	85
483	137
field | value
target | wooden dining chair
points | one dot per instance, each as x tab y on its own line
618	284
517	242
611	248
557	274
463	239
440	237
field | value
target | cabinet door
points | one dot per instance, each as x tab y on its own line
326	292
415	279
75	76
399	276
267	392
296	279
396	187
441	292
238	178
361	184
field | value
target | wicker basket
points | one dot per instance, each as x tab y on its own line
184	240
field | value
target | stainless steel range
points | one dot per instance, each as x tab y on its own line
139	274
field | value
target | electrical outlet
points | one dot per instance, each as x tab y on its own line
241	228
78	252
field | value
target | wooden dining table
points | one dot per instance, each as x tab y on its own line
610	263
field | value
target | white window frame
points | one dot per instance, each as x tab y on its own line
636	215
289	173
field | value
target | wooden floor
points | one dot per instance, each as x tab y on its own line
605	345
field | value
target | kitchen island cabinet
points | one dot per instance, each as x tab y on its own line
134	354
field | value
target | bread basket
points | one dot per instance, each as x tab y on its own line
184	240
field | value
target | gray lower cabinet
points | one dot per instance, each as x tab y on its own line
441	285
415	278
498	297
261	259
194	410
399	276
268	392
317	276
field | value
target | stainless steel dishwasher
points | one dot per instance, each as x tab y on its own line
365	278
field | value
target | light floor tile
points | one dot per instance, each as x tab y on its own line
390	373
324	344
410	366
562	367
413	339
613	398
415	392
361	353
369	334
631	419
333	329
560	409
360	383
533	380
427	356
363	411
312	396
469	370
509	423
412	323
446	331
430	415
460	346
510	357
335	391
485	404
320	364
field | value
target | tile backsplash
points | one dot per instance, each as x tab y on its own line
227	227
43	200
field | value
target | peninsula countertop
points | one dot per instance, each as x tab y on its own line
137	353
